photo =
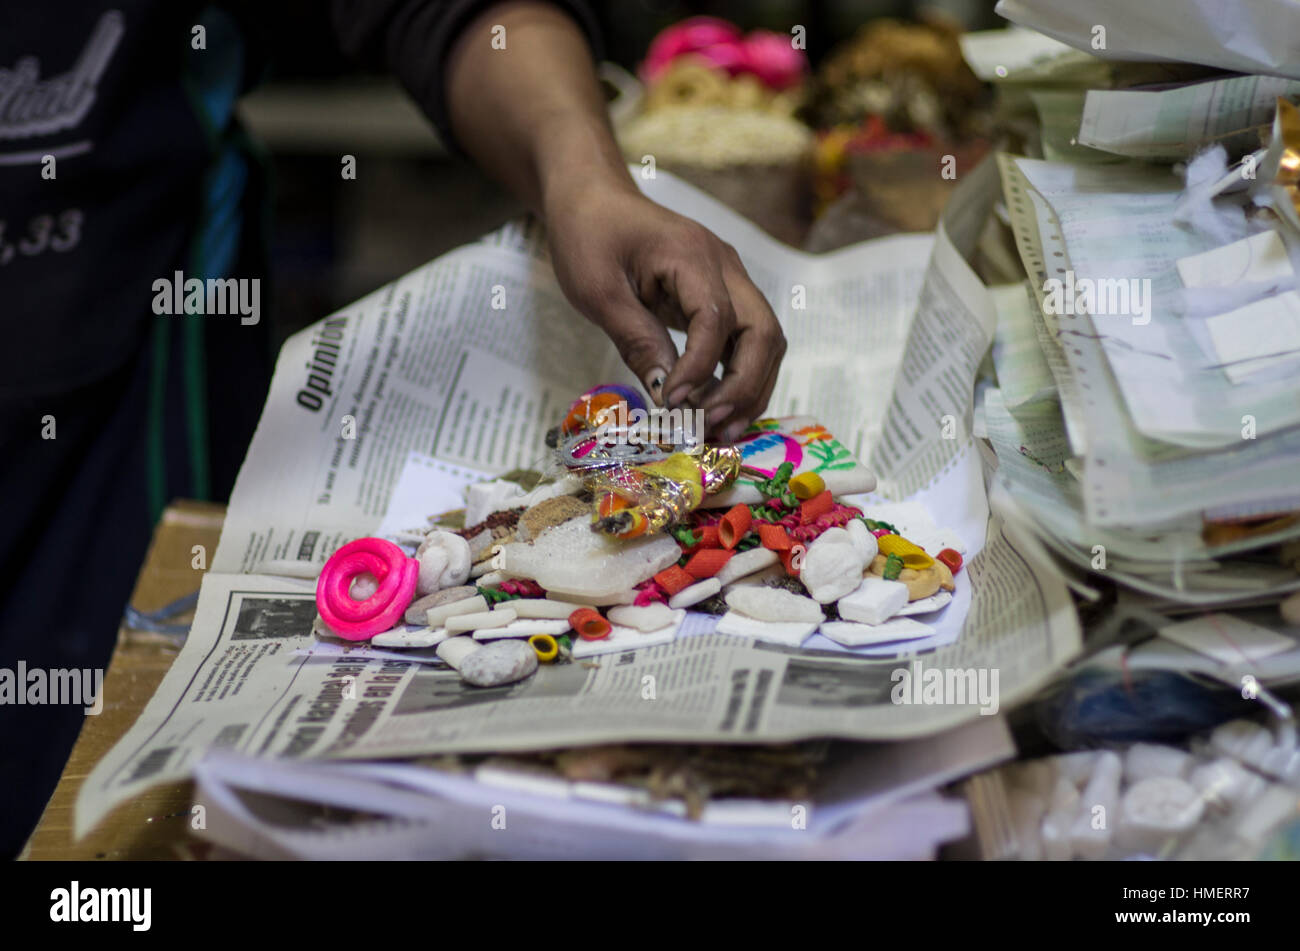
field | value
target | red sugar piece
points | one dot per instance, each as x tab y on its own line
674	578
707	562
734	526
775	537
589	624
789	557
816	507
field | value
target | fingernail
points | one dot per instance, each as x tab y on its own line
733	432
718	414
678	396
655	383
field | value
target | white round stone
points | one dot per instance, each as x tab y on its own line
696	592
863	542
501	662
774	604
831	570
650	617
444	561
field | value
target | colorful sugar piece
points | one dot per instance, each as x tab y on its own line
952	558
807	485
674	578
792	559
734	525
775	537
912	555
589	624
707	562
546	646
396	574
814	508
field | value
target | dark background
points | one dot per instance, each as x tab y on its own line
335	240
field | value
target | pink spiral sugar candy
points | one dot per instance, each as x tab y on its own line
396	575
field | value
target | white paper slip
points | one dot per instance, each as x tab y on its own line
1227	639
427	486
622	638
1257	336
851	634
1259	259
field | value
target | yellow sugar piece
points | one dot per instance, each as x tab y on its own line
807	485
913	555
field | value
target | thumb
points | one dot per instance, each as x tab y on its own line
642	341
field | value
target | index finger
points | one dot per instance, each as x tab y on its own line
757	349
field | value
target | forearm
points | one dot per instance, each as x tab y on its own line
532	114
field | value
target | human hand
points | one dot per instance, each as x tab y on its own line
635	269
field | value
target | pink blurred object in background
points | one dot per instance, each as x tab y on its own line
769	56
773	59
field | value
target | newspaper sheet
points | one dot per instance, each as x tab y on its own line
869	801
1173	124
1252	37
426	364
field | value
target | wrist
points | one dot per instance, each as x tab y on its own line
577	155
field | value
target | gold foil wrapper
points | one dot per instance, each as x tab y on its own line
663	493
720	465
1287	125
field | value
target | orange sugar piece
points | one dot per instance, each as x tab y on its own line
589	624
707	562
775	537
734	526
816	507
674	578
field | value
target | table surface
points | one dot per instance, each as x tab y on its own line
155	824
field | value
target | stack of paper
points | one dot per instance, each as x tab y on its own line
1146	414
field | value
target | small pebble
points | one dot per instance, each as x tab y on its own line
542	608
417	612
501	662
792	634
651	617
774	604
627	638
363	586
745	563
696	593
874	601
479	621
425	637
831	569
853	634
444	561
454	650
592	601
437	617
863	542
526	627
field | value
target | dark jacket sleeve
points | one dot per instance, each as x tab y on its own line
412	39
